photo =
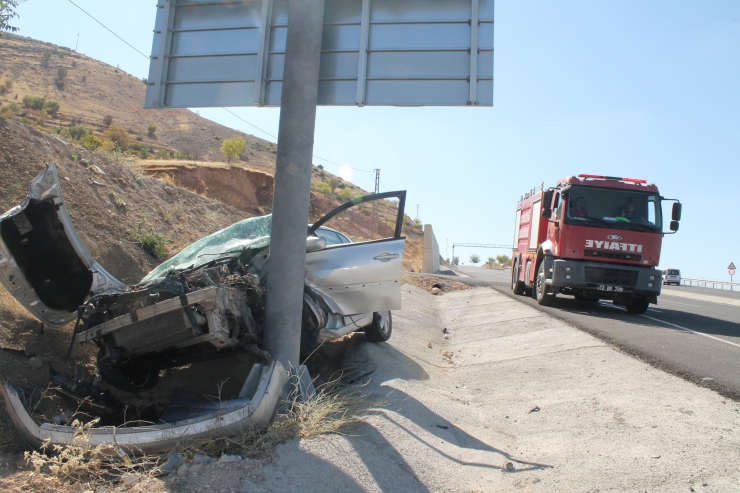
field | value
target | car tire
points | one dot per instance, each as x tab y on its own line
517	286
638	306
540	290
381	328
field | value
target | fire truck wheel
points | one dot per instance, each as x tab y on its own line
638	305
540	288
517	286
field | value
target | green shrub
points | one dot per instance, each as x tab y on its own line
51	107
151	128
162	154
320	166
33	102
62	73
345	194
76	132
334	183
118	136
45	59
107	120
322	188
91	142
141	150
367	212
151	242
184	156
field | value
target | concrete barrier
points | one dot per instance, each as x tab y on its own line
430	264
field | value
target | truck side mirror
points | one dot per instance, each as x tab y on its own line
547	199
674	224
676	212
546	213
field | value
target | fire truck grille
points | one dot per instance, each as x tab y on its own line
612	277
635	257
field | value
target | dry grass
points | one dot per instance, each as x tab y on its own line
332	411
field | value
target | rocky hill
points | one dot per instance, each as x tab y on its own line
91	90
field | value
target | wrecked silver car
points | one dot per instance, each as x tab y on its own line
204	303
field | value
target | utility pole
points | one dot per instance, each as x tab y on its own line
417	212
375	203
290	206
78	41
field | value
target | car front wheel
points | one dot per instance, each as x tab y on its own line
381	328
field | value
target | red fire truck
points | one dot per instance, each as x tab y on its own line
593	237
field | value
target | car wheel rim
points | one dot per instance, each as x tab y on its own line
383	322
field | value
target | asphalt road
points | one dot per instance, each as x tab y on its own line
692	332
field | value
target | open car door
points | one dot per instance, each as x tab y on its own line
364	274
43	262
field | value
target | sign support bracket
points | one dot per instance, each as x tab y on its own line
362	64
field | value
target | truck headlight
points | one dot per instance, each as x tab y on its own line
567	269
568	276
652	278
650	284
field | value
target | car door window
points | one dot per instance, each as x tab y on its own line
344	238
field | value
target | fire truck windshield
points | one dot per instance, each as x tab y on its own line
613	208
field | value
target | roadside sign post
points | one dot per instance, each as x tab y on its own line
301	53
731	270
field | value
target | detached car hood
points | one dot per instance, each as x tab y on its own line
43	263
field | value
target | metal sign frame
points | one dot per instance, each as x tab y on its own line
212	53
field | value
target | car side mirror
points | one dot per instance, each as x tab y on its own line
674	224
676	212
546	213
314	244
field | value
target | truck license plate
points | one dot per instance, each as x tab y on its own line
605	287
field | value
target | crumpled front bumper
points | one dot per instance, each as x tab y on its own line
252	413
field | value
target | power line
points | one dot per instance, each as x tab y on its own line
317	157
114	34
251	125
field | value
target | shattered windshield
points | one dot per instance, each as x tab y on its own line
229	242
624	209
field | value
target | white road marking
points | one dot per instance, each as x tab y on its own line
655	310
693	331
675	325
677	303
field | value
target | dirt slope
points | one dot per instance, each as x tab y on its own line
93	89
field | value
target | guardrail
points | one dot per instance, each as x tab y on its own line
688	281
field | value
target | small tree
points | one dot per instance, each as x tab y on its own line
7	12
334	183
61	73
118	136
151	128
45	59
232	148
503	259
107	121
474	259
490	261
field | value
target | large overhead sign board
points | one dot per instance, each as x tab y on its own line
210	53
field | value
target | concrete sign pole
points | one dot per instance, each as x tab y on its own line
290	207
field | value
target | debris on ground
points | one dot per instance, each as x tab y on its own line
431	283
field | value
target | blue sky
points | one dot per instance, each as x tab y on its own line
628	88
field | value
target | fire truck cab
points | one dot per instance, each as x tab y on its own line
594	237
